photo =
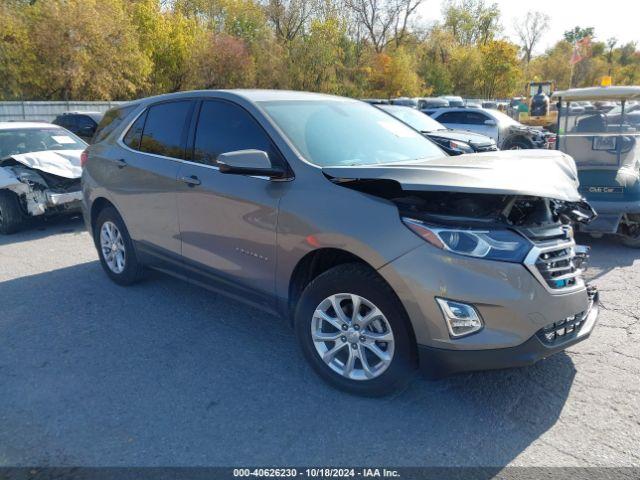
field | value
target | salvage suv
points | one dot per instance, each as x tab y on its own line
386	254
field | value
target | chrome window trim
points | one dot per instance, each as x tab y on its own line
120	143
532	258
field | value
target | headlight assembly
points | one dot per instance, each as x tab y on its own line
504	245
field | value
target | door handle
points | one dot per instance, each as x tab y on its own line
192	180
120	163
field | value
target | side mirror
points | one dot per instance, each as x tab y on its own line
490	123
249	162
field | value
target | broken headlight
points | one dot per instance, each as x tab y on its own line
503	245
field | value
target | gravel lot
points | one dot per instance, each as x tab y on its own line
166	373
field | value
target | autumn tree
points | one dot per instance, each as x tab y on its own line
471	22
530	31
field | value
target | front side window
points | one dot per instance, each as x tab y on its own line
475	118
164	129
342	132
224	127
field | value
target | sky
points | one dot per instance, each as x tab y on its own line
610	18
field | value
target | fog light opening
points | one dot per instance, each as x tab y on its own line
461	318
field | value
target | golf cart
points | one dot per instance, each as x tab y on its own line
605	149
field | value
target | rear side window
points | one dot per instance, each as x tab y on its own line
134	135
475	118
111	121
164	129
452	117
225	127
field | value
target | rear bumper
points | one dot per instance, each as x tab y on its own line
604	207
438	362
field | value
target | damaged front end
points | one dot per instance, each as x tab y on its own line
481	207
39	192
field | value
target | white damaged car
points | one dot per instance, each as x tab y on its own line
39	172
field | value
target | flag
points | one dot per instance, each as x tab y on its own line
580	50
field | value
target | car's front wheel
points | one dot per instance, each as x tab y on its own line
354	331
11	216
115	248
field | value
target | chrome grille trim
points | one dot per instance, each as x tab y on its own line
553	261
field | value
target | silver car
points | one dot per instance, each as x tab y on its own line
504	130
385	254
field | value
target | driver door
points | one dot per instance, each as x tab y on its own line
227	221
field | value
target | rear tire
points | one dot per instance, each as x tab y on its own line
115	248
11	216
631	242
381	373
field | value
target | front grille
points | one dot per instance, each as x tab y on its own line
557	267
563	330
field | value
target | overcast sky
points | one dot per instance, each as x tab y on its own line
610	18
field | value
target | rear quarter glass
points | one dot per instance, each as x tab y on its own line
111	120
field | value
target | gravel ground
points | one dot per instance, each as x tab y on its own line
166	373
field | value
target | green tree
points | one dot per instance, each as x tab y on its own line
471	21
499	71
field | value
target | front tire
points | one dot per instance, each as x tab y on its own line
11	216
115	248
354	331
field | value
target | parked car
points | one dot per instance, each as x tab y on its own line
385	253
405	101
83	124
454	142
490	104
454	100
39	172
508	133
432	102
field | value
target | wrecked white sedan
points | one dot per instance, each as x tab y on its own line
39	172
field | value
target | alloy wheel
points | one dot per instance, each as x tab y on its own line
112	246
352	336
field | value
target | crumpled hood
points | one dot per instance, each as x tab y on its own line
63	163
539	173
462	136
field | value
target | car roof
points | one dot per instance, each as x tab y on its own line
599	93
93	115
24	125
253	95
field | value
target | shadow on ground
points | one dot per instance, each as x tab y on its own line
37	228
166	373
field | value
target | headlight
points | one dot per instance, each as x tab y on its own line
461	146
503	245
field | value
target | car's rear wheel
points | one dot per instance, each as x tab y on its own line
115	248
354	331
11	215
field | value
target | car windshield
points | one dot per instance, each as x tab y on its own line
26	140
414	118
503	118
339	132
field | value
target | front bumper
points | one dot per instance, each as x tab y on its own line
65	198
439	362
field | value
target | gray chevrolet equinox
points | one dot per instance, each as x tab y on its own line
386	254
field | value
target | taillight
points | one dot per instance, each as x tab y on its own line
84	157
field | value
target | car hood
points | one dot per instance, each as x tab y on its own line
461	136
63	163
539	173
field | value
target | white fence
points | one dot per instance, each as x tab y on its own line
47	111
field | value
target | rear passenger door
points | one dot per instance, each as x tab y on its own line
228	222
142	176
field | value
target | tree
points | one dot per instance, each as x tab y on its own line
223	61
578	33
384	21
81	49
530	30
392	75
289	17
471	22
499	73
